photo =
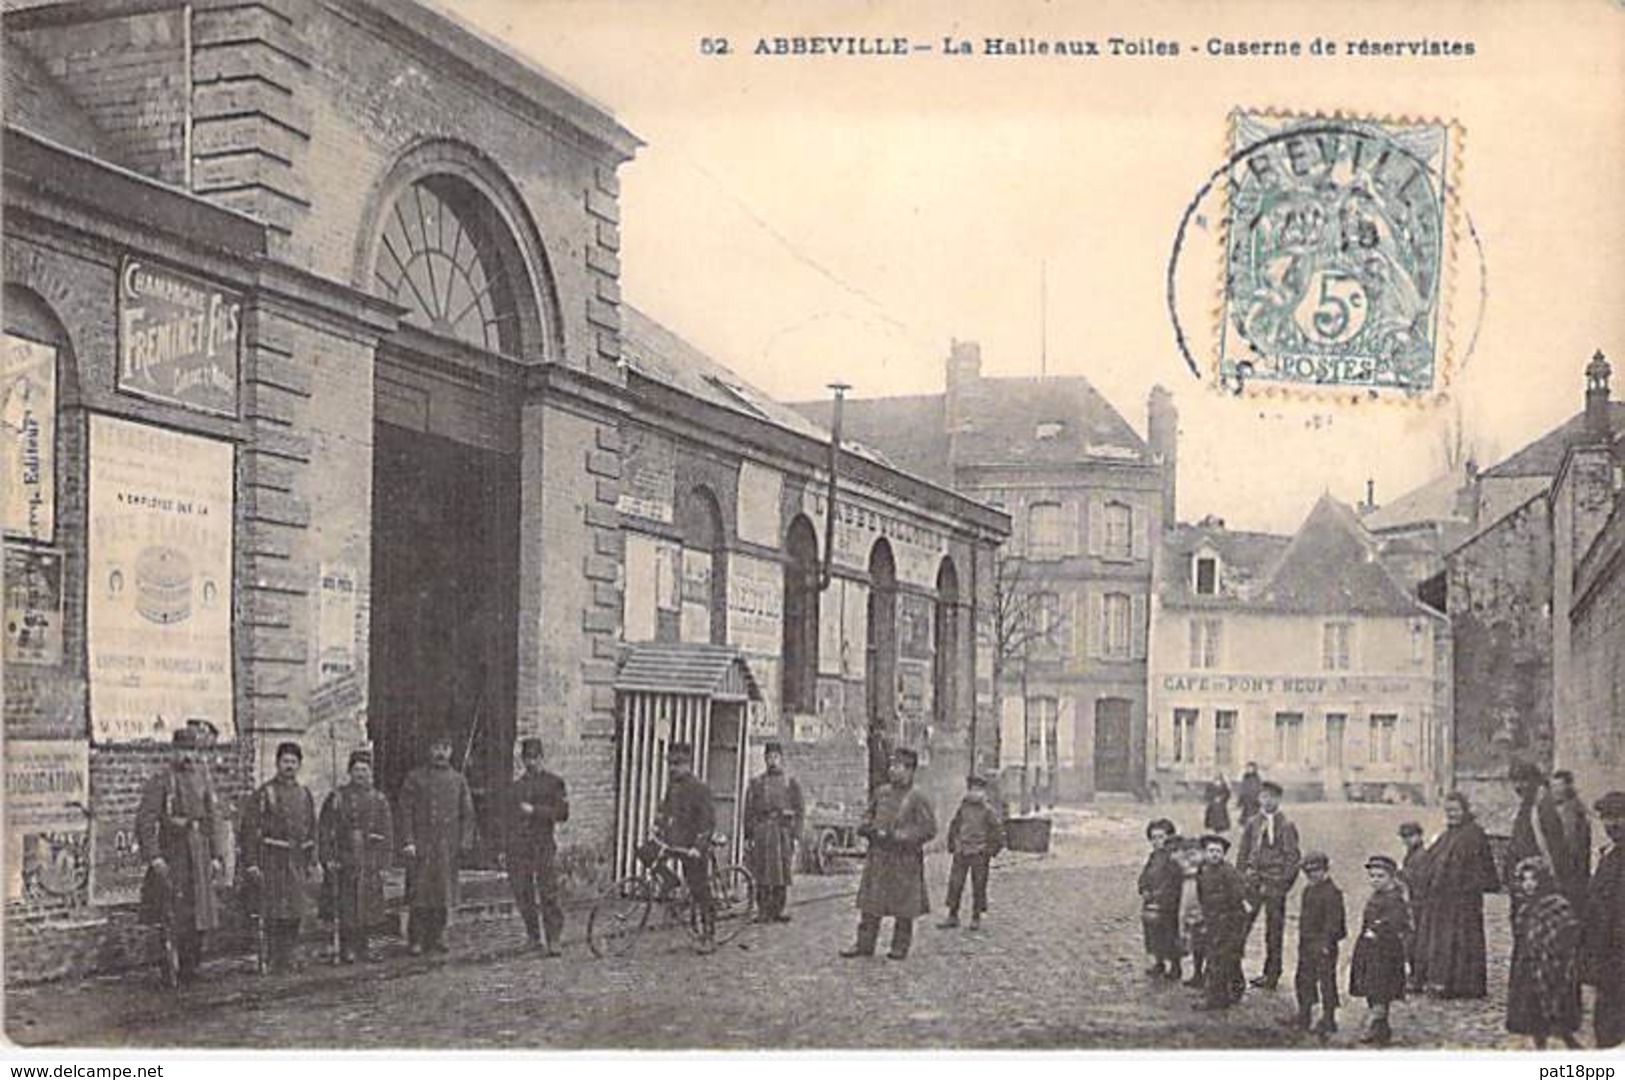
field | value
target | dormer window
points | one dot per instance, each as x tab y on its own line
1205	573
1049	429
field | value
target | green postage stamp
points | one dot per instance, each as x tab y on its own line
1338	254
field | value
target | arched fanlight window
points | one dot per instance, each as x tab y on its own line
446	257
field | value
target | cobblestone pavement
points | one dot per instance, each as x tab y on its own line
1058	965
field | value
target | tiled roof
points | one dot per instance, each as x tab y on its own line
1052	421
1544	456
1329	567
909	431
1059	421
1244	559
1332	567
688	668
37	102
1434	501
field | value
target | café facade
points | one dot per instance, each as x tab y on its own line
326	421
1302	654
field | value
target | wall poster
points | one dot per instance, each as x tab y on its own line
28	439
179	338
158	590
47	820
33	606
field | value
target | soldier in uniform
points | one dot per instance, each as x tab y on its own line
357	844
179	825
279	851
1268	859
686	819
437	825
773	817
899	824
1602	933
536	802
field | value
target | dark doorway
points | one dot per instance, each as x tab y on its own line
798	678
445	615
1113	721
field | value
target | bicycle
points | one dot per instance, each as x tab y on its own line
628	907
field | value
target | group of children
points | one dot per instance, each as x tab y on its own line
1194	903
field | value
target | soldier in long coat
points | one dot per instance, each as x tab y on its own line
437	825
180	827
357	843
898	825
279	852
535	803
773	817
1602	935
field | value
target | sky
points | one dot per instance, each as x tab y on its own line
809	218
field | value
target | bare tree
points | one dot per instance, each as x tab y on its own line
1026	626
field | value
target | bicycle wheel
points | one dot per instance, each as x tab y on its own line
619	916
733	900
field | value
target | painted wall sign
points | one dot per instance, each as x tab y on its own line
336	598
648	474
916	550
33	607
179	338
28	439
47	819
1332	686
159	581
755	605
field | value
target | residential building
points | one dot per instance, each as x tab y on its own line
1087	498
1303	654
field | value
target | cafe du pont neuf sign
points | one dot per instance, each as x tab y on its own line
179	338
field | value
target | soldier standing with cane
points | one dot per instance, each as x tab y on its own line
773	815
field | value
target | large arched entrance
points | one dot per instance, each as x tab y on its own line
446	496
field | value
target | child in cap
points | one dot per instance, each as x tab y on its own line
1160	883
1189	858
1321	926
1222	893
1377	971
975	835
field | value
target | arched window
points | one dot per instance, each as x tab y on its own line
703	590
447	257
799	675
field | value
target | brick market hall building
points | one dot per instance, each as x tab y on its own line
326	420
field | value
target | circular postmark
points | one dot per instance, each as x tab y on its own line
1334	241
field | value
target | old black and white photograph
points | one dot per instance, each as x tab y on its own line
743	527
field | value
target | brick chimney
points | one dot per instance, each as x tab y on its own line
1162	432
964	371
1599	426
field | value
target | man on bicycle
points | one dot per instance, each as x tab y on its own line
686	819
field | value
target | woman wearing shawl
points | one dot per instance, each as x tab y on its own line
1458	871
1216	796
1543	992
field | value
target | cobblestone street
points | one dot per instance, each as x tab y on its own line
1058	965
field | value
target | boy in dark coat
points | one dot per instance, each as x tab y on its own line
686	819
1322	924
975	835
1159	884
357	844
1222	893
1413	877
437	825
1268	858
899	824
536	803
1377	971
1189	858
279	852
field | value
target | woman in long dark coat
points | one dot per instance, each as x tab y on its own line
1543	991
1459	870
1216	817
